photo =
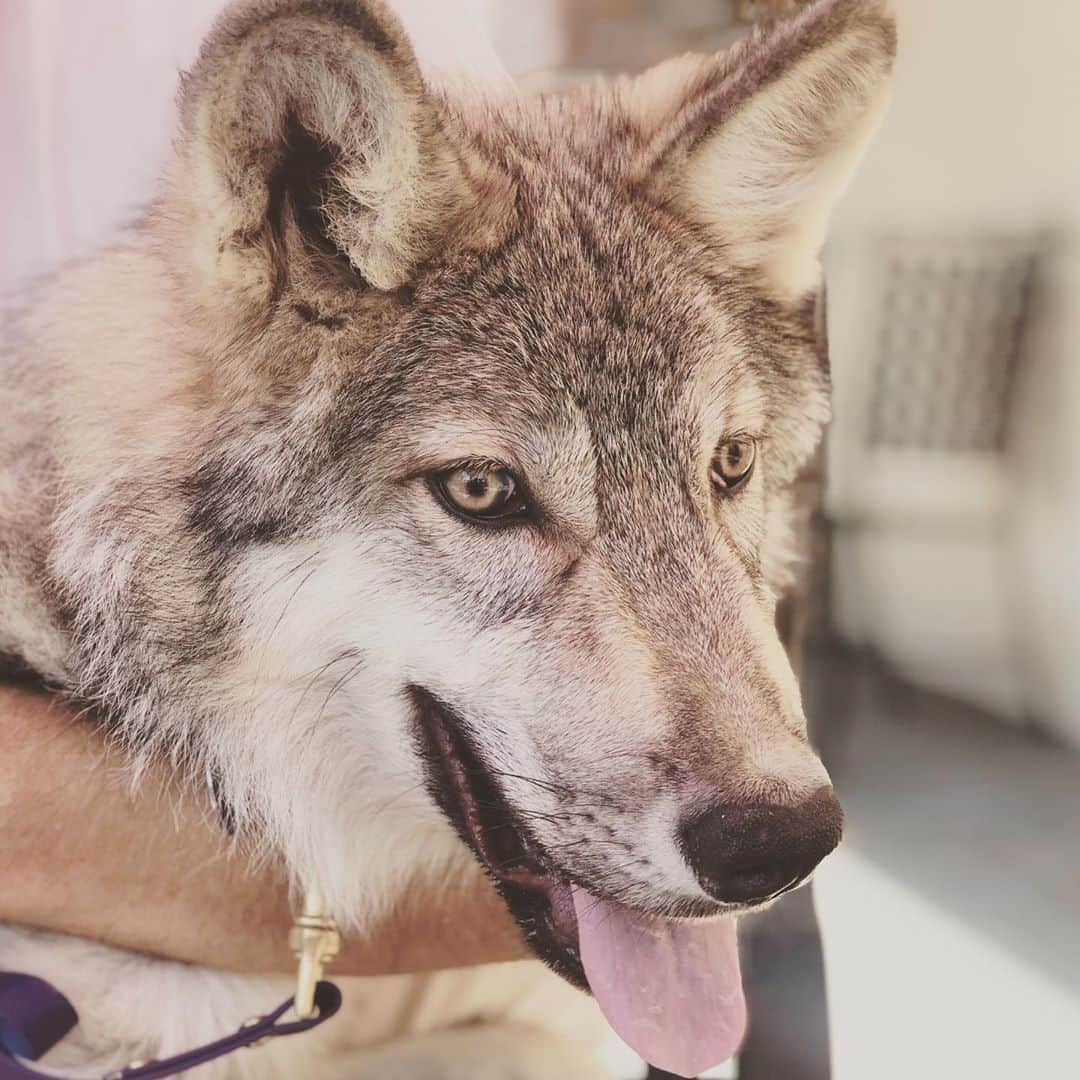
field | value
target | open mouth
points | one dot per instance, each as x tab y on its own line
670	987
467	793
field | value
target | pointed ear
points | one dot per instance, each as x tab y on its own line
306	127
756	144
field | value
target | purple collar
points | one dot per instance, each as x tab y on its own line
35	1016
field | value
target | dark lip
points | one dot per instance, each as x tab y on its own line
466	790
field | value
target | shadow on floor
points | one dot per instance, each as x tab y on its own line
980	817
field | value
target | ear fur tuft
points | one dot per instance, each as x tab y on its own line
756	144
319	105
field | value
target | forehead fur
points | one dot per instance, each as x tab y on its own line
595	296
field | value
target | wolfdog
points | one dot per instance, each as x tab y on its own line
417	470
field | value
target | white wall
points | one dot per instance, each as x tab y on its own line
87	108
86	115
982	136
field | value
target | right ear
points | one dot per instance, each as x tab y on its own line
308	121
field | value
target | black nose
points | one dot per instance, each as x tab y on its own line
745	853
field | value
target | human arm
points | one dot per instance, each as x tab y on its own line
83	855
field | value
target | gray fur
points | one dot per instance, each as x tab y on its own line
213	523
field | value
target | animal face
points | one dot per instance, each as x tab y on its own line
503	409
595	635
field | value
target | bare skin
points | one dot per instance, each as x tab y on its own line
148	872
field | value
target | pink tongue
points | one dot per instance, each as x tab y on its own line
671	989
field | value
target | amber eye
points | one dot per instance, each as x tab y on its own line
733	463
480	491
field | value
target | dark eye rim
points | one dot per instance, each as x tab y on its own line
516	510
721	484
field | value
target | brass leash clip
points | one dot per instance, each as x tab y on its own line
315	941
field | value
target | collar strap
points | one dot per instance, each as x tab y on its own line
34	1016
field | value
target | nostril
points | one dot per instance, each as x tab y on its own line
748	853
764	882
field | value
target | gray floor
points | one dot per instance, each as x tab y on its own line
981	818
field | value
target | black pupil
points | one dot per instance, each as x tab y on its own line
734	454
480	491
477	485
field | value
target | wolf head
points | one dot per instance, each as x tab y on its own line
493	411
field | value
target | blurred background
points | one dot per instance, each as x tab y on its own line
939	614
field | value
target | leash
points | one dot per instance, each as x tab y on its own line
35	1016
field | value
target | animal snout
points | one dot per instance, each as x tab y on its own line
747	853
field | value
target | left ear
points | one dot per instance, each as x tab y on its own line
756	144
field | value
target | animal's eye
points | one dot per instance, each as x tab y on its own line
480	491
733	463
